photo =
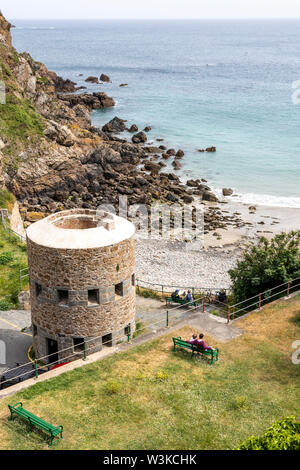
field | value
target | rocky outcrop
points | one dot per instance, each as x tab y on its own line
116	125
60	134
97	100
5	35
139	138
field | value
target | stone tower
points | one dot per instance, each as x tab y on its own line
82	282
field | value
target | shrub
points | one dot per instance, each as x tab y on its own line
6	257
113	387
282	435
266	265
161	376
4	305
239	402
139	329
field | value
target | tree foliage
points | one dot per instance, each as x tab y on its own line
266	264
282	435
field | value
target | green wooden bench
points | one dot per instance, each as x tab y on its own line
36	422
211	354
181	301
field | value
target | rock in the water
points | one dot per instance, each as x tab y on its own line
114	126
179	153
104	78
139	138
211	149
92	80
123	84
176	164
133	128
227	191
171	152
147	129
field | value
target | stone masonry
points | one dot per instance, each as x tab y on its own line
82	291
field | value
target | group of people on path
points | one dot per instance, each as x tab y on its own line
200	343
185	296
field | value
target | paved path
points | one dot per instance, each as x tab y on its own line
16	341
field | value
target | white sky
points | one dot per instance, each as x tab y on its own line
126	9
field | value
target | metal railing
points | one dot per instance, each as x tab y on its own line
165	289
10	230
259	300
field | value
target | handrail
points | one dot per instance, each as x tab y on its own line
10	230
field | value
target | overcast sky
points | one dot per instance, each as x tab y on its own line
124	9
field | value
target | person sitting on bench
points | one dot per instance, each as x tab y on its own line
202	344
193	339
189	297
175	295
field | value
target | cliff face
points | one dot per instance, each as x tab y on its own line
5	36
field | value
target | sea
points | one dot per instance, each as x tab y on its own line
232	84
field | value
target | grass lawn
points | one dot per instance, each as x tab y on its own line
152	398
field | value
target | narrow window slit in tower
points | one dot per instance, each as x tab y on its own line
119	289
63	296
93	297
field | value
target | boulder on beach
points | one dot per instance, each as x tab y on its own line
227	191
209	196
104	78
139	138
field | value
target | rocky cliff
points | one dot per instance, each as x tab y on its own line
51	157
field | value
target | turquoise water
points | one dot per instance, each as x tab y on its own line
198	84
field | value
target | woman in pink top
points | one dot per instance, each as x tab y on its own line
201	343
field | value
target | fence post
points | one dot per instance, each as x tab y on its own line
36	369
228	314
167	319
288	289
259	302
162	291
203	305
84	351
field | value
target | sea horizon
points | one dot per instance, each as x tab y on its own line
227	87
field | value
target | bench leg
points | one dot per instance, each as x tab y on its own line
11	416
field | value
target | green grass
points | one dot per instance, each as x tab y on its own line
152	398
19	120
13	257
7	199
